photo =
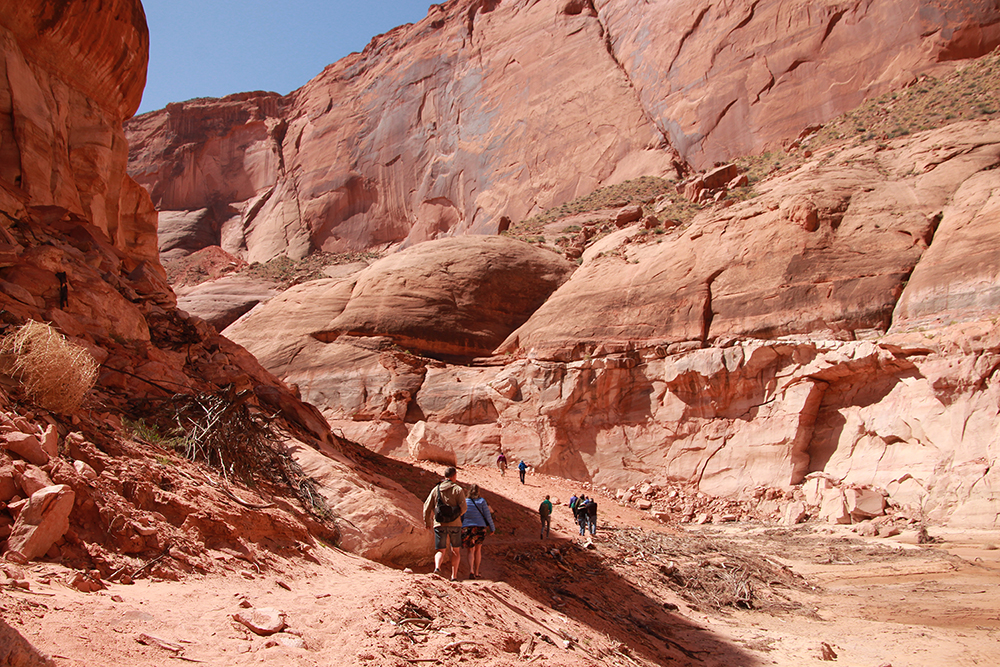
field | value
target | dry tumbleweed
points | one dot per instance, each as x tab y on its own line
55	373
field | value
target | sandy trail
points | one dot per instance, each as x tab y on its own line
868	602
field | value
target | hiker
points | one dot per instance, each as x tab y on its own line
522	467
580	513
572	504
443	511
502	463
545	512
591	511
474	524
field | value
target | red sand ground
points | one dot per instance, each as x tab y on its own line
863	602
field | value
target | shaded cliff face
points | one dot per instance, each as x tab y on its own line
78	250
485	112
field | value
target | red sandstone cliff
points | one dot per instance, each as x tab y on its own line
78	249
841	322
486	112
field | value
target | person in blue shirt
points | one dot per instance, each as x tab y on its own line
522	467
474	524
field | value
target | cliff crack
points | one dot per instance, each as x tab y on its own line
739	26
834	20
685	36
707	314
609	47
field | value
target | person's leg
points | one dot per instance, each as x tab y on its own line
456	559
478	554
593	524
438	560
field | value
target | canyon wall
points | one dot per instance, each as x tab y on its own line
842	322
487	112
78	250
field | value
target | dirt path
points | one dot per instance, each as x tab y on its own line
639	594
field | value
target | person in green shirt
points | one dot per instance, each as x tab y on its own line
545	512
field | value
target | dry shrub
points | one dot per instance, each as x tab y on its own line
56	374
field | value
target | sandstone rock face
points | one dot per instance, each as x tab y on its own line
61	117
221	302
756	271
724	81
744	350
487	111
453	298
78	249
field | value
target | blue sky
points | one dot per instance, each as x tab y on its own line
211	48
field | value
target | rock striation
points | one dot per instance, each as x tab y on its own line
484	113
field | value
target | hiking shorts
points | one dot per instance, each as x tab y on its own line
473	536
445	534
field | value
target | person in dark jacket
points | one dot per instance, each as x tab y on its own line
580	513
591	510
447	531
522	468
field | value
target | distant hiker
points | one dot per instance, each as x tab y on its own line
572	503
591	511
580	513
502	464
443	511
545	512
522	467
474	524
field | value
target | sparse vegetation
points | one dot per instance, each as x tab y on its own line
968	93
636	191
225	432
287	272
55	373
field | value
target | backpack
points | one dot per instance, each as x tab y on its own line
445	513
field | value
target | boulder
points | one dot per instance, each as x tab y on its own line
455	298
42	521
264	622
8	483
27	446
85	470
425	445
794	513
864	503
627	215
32	479
815	487
50	440
16	651
833	507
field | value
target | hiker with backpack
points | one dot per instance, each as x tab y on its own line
443	512
580	513
474	524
